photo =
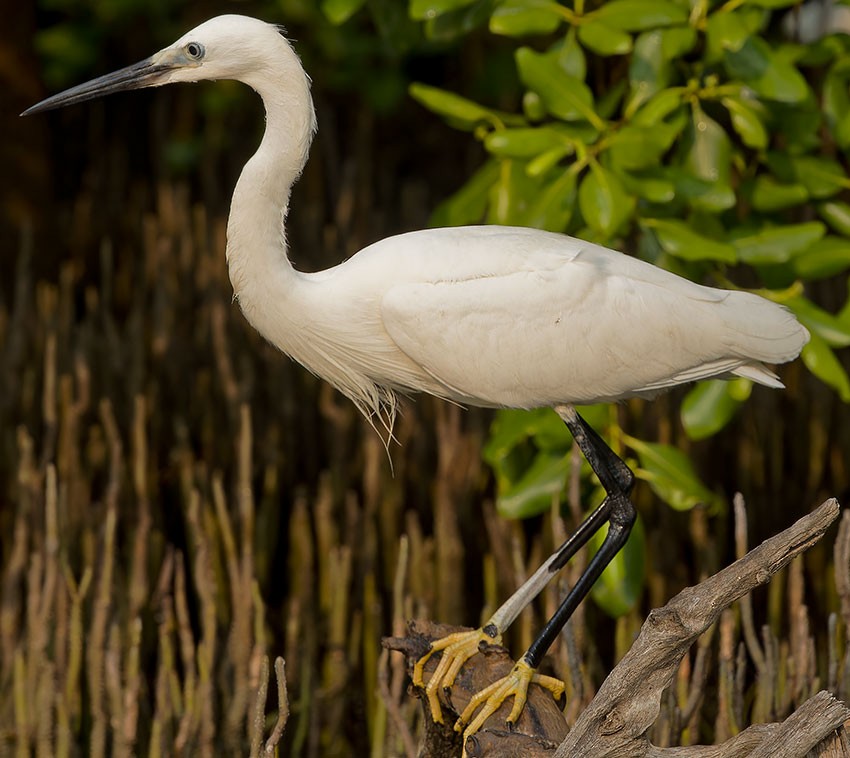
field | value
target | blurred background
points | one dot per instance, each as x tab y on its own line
179	502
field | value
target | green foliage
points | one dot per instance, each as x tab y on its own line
692	134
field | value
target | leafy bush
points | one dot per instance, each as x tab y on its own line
697	136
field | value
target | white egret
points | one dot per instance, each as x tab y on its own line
486	315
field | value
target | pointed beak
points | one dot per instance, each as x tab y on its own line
150	72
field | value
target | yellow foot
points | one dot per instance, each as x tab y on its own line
457	649
489	699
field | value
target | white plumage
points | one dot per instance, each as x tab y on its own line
485	315
482	315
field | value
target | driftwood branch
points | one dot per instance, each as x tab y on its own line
628	702
616	723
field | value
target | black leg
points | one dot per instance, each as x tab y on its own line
617	480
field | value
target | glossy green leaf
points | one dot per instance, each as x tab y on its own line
552	208
603	39
821	177
339	11
638	15
524	142
746	121
604	203
822	362
649	185
831	329
678	41
778	244
637	147
460	112
766	194
518	18
510	194
730	31
679	240
425	9
828	257
836	213
836	102
512	427
532	494
709	151
659	106
546	161
709	406
620	586
563	95
671	475
768	74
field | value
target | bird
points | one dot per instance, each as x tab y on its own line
491	316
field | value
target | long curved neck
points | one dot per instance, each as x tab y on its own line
256	242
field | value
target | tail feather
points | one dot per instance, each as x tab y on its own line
761	330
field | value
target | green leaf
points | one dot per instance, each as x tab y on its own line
511	428
468	204
563	95
821	361
603	201
523	143
428	9
619	587
659	106
831	329
532	494
638	15
766	194
730	31
836	213
709	151
746	121
552	208
671	475
603	39
637	147
709	406
457	110
650	185
516	18
767	73
339	11
510	194
679	240
821	177
828	257
778	244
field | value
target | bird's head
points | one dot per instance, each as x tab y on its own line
225	47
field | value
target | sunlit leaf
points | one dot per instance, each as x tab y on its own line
671	475
822	362
778	244
603	39
521	17
678	239
638	15
604	202
709	406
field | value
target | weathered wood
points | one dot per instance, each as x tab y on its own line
616	723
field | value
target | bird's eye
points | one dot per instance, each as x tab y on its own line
195	50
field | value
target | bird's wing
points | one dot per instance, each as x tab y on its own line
592	328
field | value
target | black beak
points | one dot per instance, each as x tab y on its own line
147	73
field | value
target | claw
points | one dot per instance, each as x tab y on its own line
456	649
491	698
